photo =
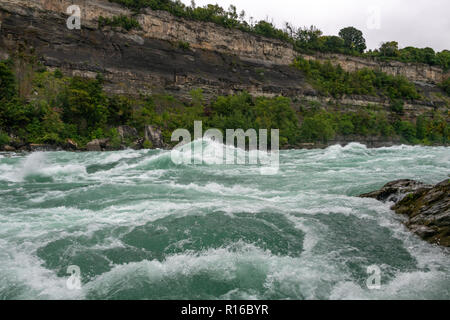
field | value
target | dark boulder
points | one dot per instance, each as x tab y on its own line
395	190
71	145
427	207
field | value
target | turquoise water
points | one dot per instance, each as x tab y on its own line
140	227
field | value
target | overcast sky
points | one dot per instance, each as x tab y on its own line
419	23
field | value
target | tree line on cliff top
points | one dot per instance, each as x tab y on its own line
307	40
57	108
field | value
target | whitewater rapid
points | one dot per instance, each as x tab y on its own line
141	227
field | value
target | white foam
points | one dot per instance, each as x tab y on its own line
119	155
310	183
417	285
32	279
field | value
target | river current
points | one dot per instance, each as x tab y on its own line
139	226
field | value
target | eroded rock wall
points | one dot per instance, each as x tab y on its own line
208	36
147	61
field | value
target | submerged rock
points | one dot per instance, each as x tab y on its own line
427	207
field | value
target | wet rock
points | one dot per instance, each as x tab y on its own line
395	190
72	145
427	207
97	145
18	143
154	136
138	144
43	147
9	148
429	212
127	133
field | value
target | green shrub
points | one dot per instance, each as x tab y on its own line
147	145
406	130
445	85
4	139
318	127
79	109
432	128
7	82
119	21
114	137
390	51
333	80
397	106
58	74
184	45
85	104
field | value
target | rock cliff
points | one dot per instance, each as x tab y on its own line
151	60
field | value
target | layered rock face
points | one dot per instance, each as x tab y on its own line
220	61
146	61
427	207
209	36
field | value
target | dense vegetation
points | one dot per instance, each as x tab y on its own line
445	85
333	80
350	40
323	126
390	51
62	108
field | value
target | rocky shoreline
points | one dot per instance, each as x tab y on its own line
152	138
103	145
427	207
128	138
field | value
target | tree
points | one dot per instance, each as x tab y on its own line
333	43
232	12
353	39
389	49
85	104
445	85
317	128
429	56
7	82
267	29
443	59
308	36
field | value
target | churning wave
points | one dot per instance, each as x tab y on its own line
140	226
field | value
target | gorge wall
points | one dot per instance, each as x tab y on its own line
219	60
162	25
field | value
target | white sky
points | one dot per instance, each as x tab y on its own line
418	23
